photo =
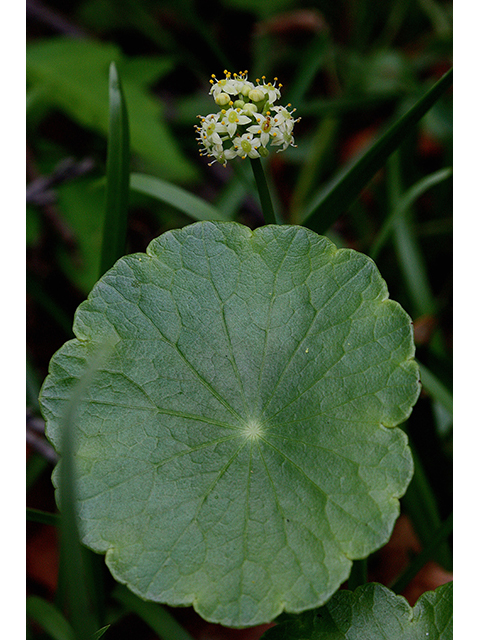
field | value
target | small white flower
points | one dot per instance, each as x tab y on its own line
210	128
226	85
283	115
270	90
221	155
283	138
247	145
264	128
238	85
232	118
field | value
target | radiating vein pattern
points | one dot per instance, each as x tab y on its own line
236	450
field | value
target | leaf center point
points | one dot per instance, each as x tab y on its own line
253	429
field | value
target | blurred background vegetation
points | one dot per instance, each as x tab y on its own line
350	67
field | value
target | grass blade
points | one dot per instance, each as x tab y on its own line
346	186
47	616
35	515
156	616
436	388
118	170
409	255
170	194
231	198
315	161
406	201
313	60
74	559
358	574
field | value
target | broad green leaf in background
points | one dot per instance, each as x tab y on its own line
236	452
76	74
82	204
373	612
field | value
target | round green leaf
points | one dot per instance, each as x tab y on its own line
235	452
373	612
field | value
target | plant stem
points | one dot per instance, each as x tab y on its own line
265	199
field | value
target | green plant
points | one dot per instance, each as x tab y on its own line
236	450
230	415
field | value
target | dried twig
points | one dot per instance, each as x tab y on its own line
39	190
36	10
36	438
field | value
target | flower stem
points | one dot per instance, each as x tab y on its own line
265	199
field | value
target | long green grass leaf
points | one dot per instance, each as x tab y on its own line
406	201
118	174
314	162
231	198
49	618
177	197
409	255
35	515
77	570
312	61
346	186
436	388
156	616
358	574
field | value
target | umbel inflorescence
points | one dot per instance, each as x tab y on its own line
248	120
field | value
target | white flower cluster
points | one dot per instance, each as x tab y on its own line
248	120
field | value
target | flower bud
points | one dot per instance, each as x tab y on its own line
222	99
